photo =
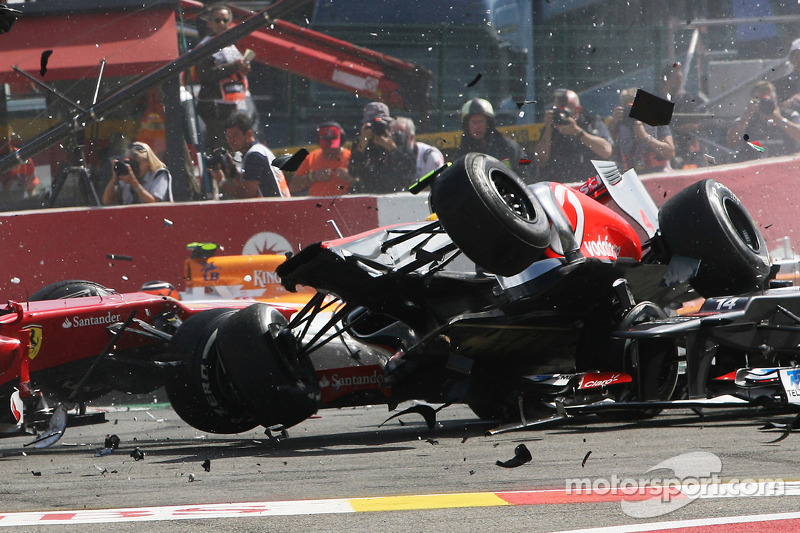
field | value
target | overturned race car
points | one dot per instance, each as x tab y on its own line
527	303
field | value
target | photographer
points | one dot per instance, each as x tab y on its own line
428	157
570	140
257	177
481	135
762	122
379	164
140	178
224	87
636	144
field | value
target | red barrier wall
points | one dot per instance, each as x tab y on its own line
766	187
40	247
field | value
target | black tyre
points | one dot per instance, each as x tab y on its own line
491	394
198	390
275	381
71	288
490	214
494	394
706	221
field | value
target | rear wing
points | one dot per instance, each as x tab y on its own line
629	194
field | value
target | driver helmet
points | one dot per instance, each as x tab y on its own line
160	288
477	106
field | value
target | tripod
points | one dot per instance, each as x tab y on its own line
77	168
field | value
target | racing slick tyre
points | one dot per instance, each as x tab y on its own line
198	389
490	214
272	377
488	389
71	288
494	396
706	221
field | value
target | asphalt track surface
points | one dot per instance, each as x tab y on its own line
340	472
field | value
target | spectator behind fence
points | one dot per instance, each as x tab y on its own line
377	164
257	177
20	181
428	157
685	129
141	178
223	81
480	134
762	124
638	145
570	140
787	88
324	171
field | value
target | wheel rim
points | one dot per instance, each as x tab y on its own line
514	197
666	371
742	225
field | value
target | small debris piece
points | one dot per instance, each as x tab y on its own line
427	412
585	457
191	478
786	428
112	441
475	81
137	454
36	473
290	163
207	465
43	62
651	109
521	456
432	441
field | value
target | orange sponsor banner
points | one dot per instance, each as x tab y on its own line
249	277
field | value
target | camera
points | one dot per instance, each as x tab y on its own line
217	159
379	127
121	166
560	115
400	138
766	106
